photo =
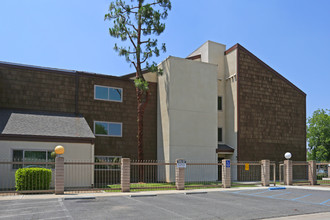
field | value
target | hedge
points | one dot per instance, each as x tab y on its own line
33	179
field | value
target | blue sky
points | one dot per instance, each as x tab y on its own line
291	36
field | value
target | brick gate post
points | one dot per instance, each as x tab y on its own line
312	172
226	173
179	174
288	172
265	172
59	175
125	176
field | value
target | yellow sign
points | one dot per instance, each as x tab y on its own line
247	166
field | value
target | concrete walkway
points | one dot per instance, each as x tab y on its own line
141	193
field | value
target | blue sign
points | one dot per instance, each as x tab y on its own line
227	163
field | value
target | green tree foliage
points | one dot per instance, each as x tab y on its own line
137	23
318	135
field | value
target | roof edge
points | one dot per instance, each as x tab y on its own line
240	47
41	138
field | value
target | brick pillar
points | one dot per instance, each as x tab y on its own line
265	172
59	175
179	176
312	172
288	172
125	176
226	173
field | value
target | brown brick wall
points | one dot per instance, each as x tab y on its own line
125	112
36	89
271	113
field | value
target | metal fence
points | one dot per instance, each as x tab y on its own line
152	175
246	173
29	182
105	176
83	176
322	173
300	172
272	173
203	175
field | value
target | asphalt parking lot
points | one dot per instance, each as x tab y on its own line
242	204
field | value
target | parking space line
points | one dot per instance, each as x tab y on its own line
322	203
279	194
60	201
301	197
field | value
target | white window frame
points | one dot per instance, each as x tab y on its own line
108	123
27	162
109	162
109	87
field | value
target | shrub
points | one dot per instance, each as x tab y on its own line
33	179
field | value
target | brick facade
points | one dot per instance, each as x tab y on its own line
271	113
73	92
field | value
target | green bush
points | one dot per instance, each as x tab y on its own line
33	179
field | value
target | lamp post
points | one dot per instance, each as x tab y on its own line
288	169
59	170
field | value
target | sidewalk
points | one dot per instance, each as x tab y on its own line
145	193
141	193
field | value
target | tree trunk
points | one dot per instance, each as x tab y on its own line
140	114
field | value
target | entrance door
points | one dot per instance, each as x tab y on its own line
220	169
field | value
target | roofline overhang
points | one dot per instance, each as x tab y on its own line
39	138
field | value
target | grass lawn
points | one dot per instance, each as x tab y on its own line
171	186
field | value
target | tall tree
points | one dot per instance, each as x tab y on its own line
136	22
318	135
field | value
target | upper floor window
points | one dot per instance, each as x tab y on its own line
113	129
219	134
219	103
108	93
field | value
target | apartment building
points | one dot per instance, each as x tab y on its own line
217	103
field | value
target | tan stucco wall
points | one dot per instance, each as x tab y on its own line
75	175
150	77
231	104
187	112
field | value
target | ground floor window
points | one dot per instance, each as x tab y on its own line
107	159
27	156
113	129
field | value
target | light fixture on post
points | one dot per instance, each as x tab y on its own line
288	155
59	150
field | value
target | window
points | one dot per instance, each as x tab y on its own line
107	159
27	156
108	93
219	103
219	134
113	129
